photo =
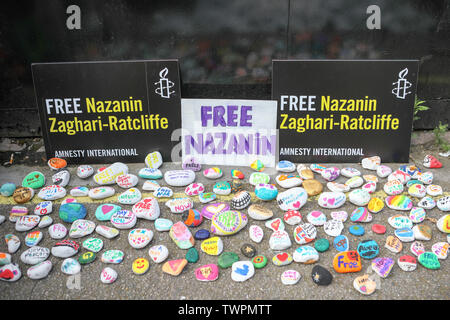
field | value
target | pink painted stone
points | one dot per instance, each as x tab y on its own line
207	272
211	209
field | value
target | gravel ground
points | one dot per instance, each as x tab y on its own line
265	284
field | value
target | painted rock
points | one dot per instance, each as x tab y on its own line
440	249
106	231
443	203
275	224
211	209
34	255
105	211
5	258
212	246
370	187
393	244
27	222
304	233
236	174
108	275
81	228
321	276
368	249
282	259
407	263
361	214
147	208
206	197
417	214
400	176
93	244
370	178
241	200
333	227
429	260
259	212
40	270
207	272
354	182
131	196
404	234
346	262
227	259
61	178
434	190
112	256
411	170
256	233
257	165
375	205
242	271
378	229
422	232
383	171
290	277
25	194
222	188
150	173
17	212
312	187
322	245
260	261
179	178
292	217
337	187
57	231
65	248
356	230
140	238
228	222
192	255
127	181
382	266
417	248
191	163
101	193
34	180
162	224
359	197
364	284
70	266
194	189
150	185
427	203
288	180
202	234
7	189
341	243
339	215
181	235
123	219
43	208
317	218
279	240
248	250
350	172
33	238
69	200
2	219
330	173
371	163
154	160
213	173
426	177
12	242
174	267
399	202
304	172
258	177
70	212
10	272
285	166
79	192
417	190
292	199
431	162
140	266
317	168
192	218
331	200
57	163
109	174
266	192
158	253
180	205
85	171
443	224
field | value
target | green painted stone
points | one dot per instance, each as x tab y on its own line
104	212
259	261
93	244
192	255
69	212
322	245
429	260
34	180
227	259
87	257
7	189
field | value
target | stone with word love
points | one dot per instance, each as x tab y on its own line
259	212
266	192
407	263
158	253
339	215
304	233
242	271
404	234
108	275
211	209
427	203
101	193
162	224
81	228
79	192
52	192
330	173
65	248
292	199
150	173
123	219
258	177
147	208
179	178
34	255
40	270
341	243
306	255
139	238
337	187
364	284
443	203
346	262
154	160
333	227
222	188
350	172
393	244
33	238
241	200
371	163
34	180
206	197
290	277
127	181
131	196
422	232
194	189
174	267
150	185
213	173
207	272
212	246
180	205
110	173
45	222
361	214
181	235
275	224
27	222
317	218
163	192
399	202
292	217
105	211
12	242
93	244
228	222
191	163
70	266
331	200
288	180
443	224
192	218
285	166
113	256
279	240
106	231
256	233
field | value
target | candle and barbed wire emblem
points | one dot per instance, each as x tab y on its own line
401	85
164	84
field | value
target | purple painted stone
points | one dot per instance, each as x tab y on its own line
211	209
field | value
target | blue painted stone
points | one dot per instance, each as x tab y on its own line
341	243
150	173
7	189
411	182
202	234
266	192
162	224
404	234
70	212
356	230
368	249
105	211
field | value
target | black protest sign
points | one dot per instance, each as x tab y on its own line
344	110
102	112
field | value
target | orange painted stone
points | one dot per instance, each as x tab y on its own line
57	163
347	261
174	267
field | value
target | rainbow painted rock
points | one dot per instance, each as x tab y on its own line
181	235
207	272
33	238
399	202
346	262
257	165
236	174
292	199
361	214
228	222
211	209
192	218
213	173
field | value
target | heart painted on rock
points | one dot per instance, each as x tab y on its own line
216	209
282	256
106	209
297	204
276	224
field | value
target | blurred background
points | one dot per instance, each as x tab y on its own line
225	48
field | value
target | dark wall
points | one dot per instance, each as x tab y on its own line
225	47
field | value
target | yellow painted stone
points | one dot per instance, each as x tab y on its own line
312	187
212	246
140	266
375	205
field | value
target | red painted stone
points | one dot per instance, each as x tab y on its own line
378	228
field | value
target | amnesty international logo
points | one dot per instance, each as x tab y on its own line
164	85
401	85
